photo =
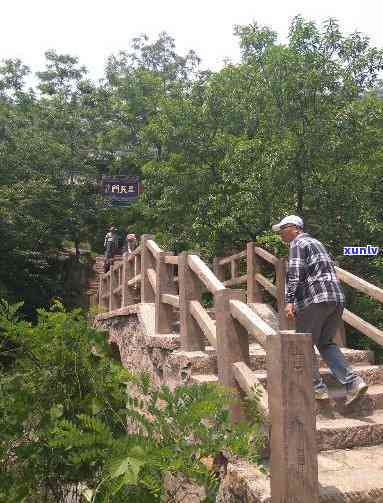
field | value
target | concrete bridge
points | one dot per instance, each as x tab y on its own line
151	305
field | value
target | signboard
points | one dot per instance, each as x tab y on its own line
120	190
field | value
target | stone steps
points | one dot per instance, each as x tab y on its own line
371	374
351	476
205	362
365	405
333	408
98	269
348	432
345	476
203	378
349	438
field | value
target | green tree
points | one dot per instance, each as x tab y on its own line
75	421
288	130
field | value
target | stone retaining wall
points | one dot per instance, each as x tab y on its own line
131	329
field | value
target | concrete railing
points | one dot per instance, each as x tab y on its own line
288	405
288	408
228	269
289	402
177	282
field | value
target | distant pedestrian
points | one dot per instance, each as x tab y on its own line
130	242
315	299
110	245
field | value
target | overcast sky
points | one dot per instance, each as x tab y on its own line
94	29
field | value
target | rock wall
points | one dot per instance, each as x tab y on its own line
131	329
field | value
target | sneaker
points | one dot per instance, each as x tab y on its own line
321	394
356	392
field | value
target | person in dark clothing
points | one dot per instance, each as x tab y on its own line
110	245
315	299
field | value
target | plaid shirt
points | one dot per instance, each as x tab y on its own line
311	275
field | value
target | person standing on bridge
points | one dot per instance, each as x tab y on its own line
110	245
315	299
130	242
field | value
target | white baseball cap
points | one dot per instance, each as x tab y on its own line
291	219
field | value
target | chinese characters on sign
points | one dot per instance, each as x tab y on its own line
120	191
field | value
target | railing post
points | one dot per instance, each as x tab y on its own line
127	274
165	284
107	290
232	343
137	268
189	286
111	286
234	266
340	335
218	269
101	291
254	293
294	465
281	270
117	298
147	262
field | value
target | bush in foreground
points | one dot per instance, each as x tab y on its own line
76	422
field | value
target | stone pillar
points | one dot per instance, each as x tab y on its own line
147	262
101	291
340	335
293	464
107	291
111	286
127	274
219	270
281	271
234	269
189	285
137	269
114	300
232	343
165	284
254	293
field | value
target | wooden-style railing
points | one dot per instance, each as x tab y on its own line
255	280
288	407
119	285
253	257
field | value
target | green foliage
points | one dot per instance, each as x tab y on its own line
294	128
169	433
75	419
49	373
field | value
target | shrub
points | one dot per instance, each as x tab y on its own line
76	421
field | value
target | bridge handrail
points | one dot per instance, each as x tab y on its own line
275	290
204	273
133	254
153	270
360	284
157	266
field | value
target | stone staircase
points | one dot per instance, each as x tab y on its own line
349	438
98	268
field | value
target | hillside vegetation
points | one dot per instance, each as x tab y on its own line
294	127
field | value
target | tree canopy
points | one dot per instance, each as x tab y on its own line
294	127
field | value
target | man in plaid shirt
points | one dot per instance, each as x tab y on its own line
315	299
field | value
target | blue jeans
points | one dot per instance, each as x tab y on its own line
322	320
